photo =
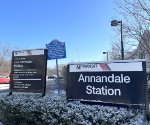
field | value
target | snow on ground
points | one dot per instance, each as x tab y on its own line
4	86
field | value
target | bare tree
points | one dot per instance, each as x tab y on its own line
136	19
129	43
53	71
115	51
61	69
5	58
115	54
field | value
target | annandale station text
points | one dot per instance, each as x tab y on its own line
104	79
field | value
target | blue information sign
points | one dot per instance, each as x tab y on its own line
56	50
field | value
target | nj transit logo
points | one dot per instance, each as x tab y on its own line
86	66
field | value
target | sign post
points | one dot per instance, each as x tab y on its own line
56	50
28	71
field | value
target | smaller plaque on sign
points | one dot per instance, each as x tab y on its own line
56	50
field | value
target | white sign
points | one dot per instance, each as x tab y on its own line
99	67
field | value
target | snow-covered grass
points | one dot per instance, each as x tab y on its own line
53	109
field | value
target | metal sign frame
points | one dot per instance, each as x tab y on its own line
28	71
131	90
